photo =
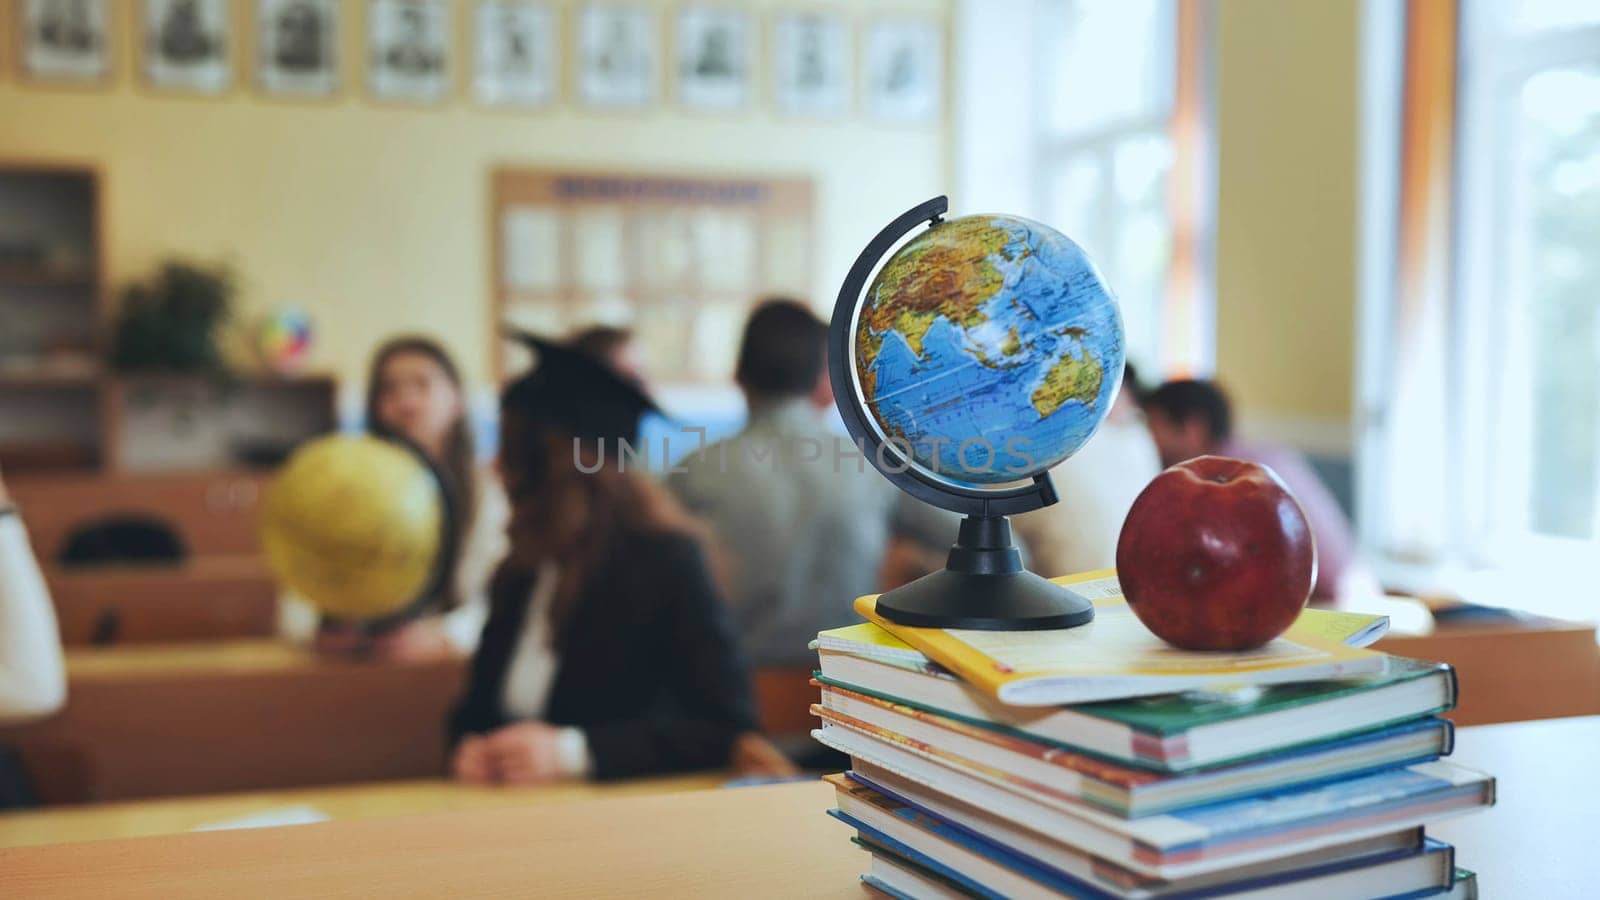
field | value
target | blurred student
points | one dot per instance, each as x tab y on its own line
1097	486
611	345
1192	418
607	653
806	523
415	394
32	679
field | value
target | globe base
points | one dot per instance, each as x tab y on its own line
983	586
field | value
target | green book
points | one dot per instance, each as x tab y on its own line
1168	733
1464	886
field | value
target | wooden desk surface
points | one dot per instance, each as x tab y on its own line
1539	841
146	818
181	660
745	842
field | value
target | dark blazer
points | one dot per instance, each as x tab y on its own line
649	668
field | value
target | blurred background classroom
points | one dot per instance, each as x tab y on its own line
1358	234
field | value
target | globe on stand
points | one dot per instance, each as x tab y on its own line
359	527
987	350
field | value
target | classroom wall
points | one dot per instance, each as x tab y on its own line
374	217
369	214
1287	82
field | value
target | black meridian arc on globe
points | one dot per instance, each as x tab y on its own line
983	584
443	562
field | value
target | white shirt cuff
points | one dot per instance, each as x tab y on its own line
572	753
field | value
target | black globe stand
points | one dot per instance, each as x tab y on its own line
983	585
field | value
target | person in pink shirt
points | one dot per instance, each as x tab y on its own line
1190	418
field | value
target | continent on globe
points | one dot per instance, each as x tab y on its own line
988	348
1071	378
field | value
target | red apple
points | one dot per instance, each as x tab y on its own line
1216	555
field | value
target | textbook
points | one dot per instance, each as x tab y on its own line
1067	777
940	853
1465	886
1179	844
1171	733
1115	656
897	878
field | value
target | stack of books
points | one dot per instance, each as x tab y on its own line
1100	762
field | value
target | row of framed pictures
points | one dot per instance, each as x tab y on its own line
186	45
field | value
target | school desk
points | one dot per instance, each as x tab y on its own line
143	818
767	841
1515	671
158	720
210	598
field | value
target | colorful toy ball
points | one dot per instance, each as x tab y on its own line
283	340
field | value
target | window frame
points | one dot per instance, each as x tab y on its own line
1186	313
1495	65
1428	205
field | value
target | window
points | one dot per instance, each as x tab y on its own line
1529	273
1106	150
1480	459
1114	94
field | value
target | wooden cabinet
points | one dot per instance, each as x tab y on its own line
61	409
51	304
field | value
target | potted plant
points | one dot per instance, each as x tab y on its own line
172	322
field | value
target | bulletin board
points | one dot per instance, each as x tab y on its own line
678	259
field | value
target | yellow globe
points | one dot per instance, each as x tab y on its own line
352	524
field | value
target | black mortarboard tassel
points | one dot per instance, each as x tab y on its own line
576	393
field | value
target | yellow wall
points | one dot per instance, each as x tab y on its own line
1286	209
374	217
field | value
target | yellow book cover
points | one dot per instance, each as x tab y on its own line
1115	656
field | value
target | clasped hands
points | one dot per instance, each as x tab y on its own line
521	753
529	753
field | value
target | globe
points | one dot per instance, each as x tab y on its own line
988	349
353	524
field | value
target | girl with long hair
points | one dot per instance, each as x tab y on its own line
608	652
415	396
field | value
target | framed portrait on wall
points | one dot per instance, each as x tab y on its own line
297	47
618	55
186	45
64	40
905	70
514	53
408	49
811	55
713	58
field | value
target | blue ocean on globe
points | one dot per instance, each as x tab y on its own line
989	347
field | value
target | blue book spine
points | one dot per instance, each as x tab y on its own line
1024	867
879	885
1062	881
1292	809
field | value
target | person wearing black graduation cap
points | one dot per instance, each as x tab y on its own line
607	652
